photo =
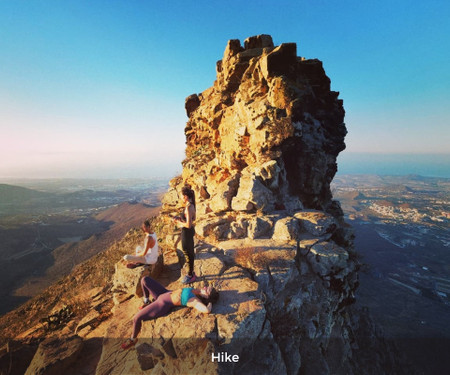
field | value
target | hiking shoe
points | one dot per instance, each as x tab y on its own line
128	343
189	279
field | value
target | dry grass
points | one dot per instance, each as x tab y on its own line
252	257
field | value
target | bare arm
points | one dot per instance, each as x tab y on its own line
199	306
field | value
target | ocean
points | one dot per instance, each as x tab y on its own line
429	165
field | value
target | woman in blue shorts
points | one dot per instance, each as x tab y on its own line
165	300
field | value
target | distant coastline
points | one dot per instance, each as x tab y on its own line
427	165
349	163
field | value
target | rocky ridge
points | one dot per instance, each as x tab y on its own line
261	152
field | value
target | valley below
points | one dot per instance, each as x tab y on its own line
45	233
402	236
401	227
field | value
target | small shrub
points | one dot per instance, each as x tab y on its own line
58	319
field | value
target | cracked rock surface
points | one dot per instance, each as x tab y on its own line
261	149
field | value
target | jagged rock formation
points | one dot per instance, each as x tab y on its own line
268	132
265	137
261	153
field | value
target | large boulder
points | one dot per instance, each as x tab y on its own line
259	226
264	137
127	281
252	194
286	229
317	223
223	193
328	259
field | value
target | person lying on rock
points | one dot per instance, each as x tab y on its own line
165	300
147	254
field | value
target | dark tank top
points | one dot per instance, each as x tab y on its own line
183	217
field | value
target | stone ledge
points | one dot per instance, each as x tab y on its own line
126	281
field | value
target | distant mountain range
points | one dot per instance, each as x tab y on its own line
119	221
21	200
34	254
13	194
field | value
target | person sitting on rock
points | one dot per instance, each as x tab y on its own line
165	300
148	254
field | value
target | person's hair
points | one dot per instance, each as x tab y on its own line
189	193
213	297
147	223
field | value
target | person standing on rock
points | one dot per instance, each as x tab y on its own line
147	254
186	223
165	300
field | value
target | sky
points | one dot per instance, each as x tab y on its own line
97	88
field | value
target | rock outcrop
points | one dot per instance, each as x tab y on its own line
261	152
266	135
126	281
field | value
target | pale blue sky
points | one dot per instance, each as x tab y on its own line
97	88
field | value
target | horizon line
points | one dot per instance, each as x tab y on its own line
169	178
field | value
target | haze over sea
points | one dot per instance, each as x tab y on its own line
430	165
359	163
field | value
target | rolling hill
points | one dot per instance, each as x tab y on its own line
25	276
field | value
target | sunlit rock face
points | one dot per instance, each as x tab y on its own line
267	133
261	149
263	139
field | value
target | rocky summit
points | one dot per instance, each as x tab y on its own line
266	135
261	149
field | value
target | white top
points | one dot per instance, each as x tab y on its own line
152	254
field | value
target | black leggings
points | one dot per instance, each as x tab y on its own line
187	243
